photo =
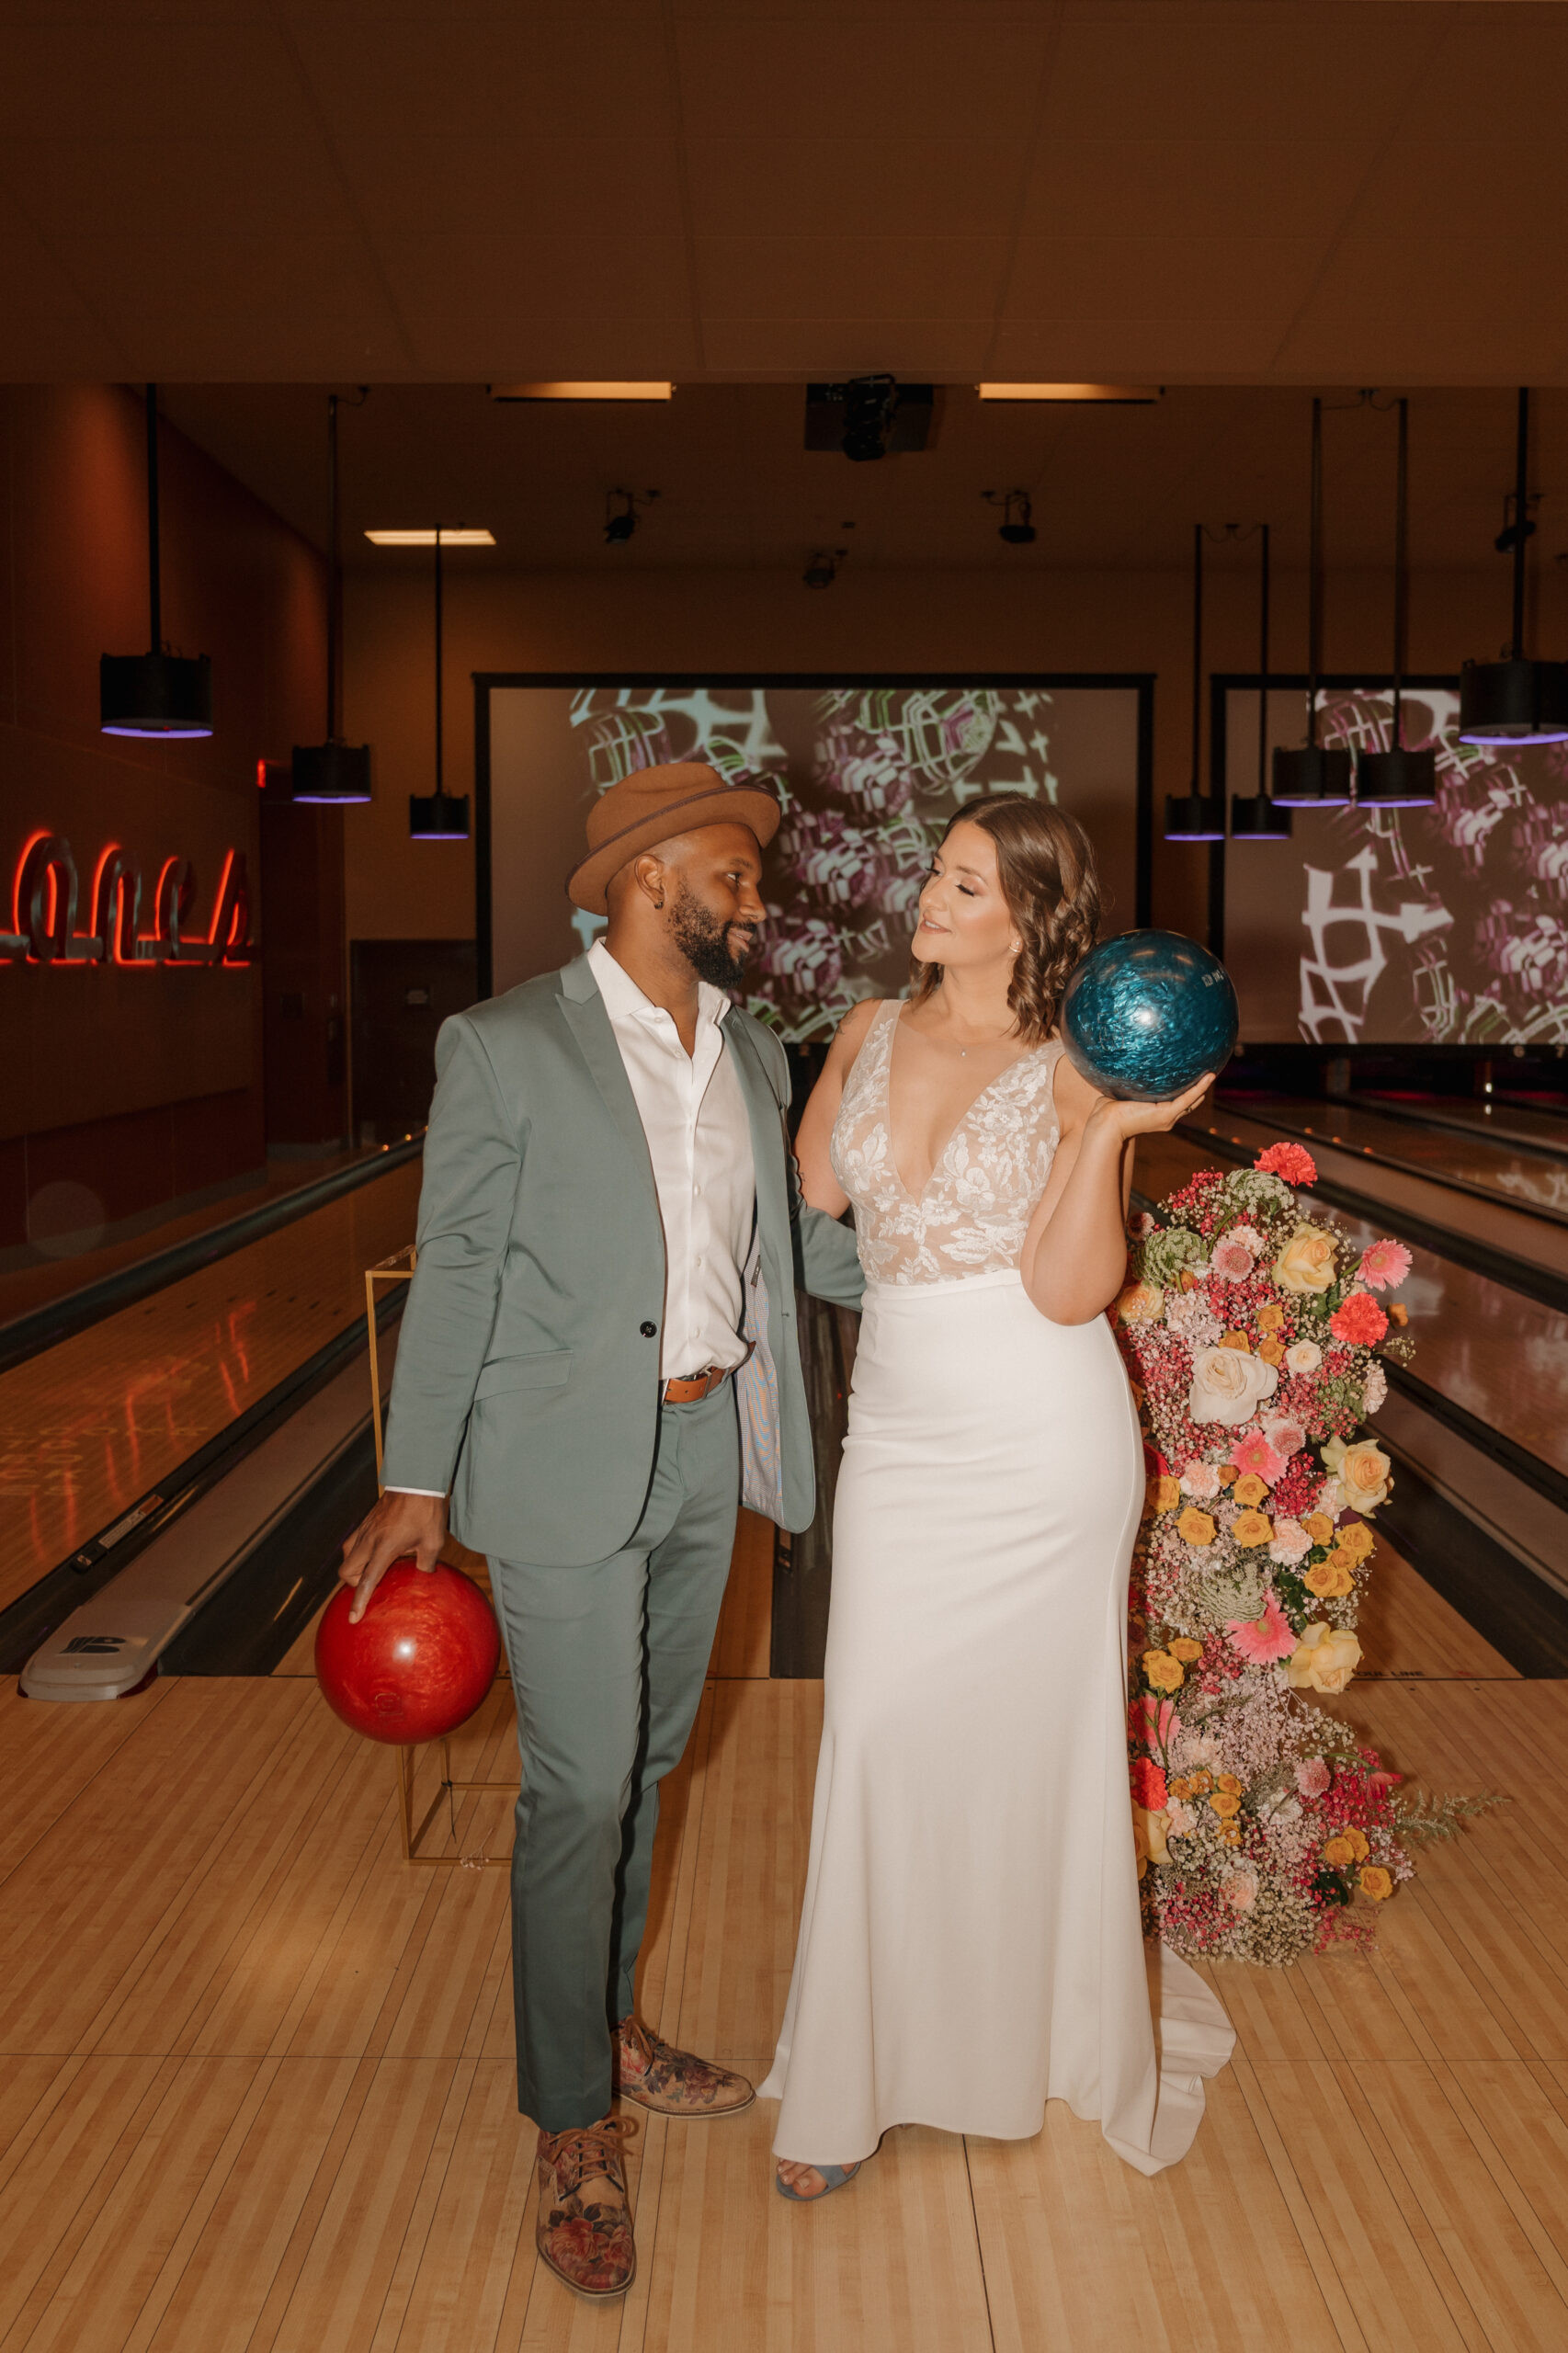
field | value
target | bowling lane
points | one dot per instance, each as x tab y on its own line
1472	1162
1500	1121
1501	1357
89	1427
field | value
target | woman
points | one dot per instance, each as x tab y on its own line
970	1942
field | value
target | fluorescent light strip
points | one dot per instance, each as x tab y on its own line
1070	391
427	538
638	392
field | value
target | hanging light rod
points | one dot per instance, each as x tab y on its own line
332	775
1397	778
155	693
439	816
1196	815
1125	393
584	391
1516	700
431	539
1253	816
1313	775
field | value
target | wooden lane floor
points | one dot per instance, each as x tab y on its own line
86	1428
259	2093
1536	1181
1501	1357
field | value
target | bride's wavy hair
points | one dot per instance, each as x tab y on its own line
1046	862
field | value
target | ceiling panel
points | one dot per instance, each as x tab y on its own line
870	278
936	78
1183	188
1236	280
583	188
755	187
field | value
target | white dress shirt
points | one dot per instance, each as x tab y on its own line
694	1117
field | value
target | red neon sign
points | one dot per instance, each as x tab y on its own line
45	904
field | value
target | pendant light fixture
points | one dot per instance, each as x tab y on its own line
1516	700
1196	815
1397	778
1253	816
154	693
334	774
437	817
1311	776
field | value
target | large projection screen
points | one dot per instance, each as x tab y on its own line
868	773
1439	926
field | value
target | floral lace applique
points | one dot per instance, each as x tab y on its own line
974	1212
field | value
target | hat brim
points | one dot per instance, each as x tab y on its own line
735	804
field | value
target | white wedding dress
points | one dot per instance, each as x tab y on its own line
971	1944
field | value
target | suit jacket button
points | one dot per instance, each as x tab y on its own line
647	1330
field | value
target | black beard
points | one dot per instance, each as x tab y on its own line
704	941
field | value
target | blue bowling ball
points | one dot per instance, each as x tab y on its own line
1146	1014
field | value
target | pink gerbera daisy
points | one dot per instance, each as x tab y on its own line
1253	1453
1261	1640
1384	1265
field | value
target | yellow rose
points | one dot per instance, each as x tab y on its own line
1230	1831
1140	1303
1229	1782
1200	1781
1363	1472
1270	1318
1185	1649
1331	1580
1356	1541
1318	1527
1139	1841
1306	1263
1324	1659
1339	1852
1375	1881
1251	1527
1225	1802
1227	1475
1358	1838
1149	1831
1165	1493
1194	1526
1236	1340
1250	1490
1161	1671
1271	1351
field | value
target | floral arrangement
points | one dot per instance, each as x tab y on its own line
1256	1335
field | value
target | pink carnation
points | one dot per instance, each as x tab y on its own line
1312	1777
1263	1639
1231	1261
1253	1453
1200	1480
1285	1435
1384	1265
1358	1320
1291	1160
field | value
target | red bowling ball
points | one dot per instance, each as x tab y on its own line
418	1663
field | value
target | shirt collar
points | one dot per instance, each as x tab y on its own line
622	996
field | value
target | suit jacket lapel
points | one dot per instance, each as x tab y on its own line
765	1118
589	1023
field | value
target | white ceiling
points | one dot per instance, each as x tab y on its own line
1186	192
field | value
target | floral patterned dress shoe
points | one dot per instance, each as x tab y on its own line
671	2082
584	2227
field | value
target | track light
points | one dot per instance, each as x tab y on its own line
822	569
1195	815
1017	526
439	816
154	693
622	509
1516	700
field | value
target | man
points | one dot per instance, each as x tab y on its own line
600	1339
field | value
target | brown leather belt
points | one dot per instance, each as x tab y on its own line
689	1389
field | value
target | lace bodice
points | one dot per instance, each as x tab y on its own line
975	1209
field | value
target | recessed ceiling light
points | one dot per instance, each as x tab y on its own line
1070	391
637	391
427	538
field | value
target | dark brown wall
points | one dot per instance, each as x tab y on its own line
139	1086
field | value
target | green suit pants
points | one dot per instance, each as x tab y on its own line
607	1663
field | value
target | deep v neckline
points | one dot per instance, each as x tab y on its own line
959	1124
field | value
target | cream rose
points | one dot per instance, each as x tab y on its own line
1305	1356
1228	1386
1362	1472
1306	1263
1324	1659
1149	1834
1140	1303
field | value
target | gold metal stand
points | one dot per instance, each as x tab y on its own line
398	1269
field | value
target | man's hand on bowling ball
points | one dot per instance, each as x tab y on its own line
1129	1119
399	1528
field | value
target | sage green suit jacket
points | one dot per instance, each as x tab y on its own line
528	1365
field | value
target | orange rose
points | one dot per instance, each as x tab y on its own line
1375	1881
1165	1493
1339	1852
1355	1542
1318	1527
1270	1318
1251	1527
1185	1649
1236	1340
1228	1474
1225	1802
1161	1671
1230	1831
1398	1313
1250	1490
1182	1789
1271	1351
1200	1781
1331	1580
1194	1526
1358	1838
1229	1782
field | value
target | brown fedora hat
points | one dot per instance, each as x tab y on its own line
654	805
